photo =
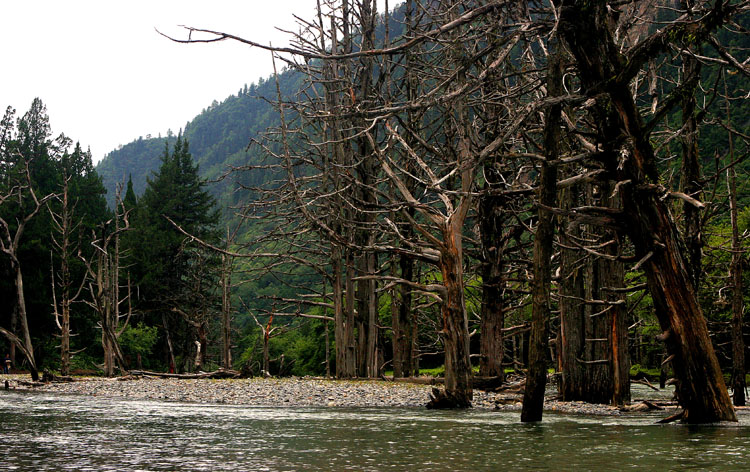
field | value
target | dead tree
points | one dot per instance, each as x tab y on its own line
629	157
67	246
103	268
21	194
533	398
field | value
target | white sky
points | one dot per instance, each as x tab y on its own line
107	77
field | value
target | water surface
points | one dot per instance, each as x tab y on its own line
52	432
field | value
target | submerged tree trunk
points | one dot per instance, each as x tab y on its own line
455	332
572	316
533	397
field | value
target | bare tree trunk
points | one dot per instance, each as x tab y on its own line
615	326
21	304
572	315
170	349
14	330
338	309
455	333
536	379
736	272
690	175
226	310
491	222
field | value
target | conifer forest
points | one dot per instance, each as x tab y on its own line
490	192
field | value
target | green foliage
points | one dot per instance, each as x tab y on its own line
138	340
28	141
176	192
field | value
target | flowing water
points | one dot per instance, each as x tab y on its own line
47	432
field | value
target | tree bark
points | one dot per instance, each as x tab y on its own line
455	332
22	316
226	311
491	223
572	317
536	379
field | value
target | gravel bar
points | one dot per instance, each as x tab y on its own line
290	392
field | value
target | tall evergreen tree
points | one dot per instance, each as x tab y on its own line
163	264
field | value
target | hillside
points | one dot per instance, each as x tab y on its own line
218	137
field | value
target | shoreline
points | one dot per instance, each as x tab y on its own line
307	392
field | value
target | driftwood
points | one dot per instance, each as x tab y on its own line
670	419
645	382
644	405
218	374
48	377
442	400
514	387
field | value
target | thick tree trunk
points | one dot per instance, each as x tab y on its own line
373	364
455	332
615	325
536	379
572	317
350	366
491	224
647	220
338	310
367	330
594	346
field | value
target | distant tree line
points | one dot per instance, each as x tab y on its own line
89	285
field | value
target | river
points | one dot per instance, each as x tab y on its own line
65	432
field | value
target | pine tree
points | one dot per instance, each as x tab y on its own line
165	267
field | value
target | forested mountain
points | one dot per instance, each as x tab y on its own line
218	137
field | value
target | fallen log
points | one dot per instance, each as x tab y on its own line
48	377
645	405
218	374
515	387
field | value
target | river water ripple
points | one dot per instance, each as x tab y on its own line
46	432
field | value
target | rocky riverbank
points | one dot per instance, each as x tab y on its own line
303	392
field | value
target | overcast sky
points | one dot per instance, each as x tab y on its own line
106	75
